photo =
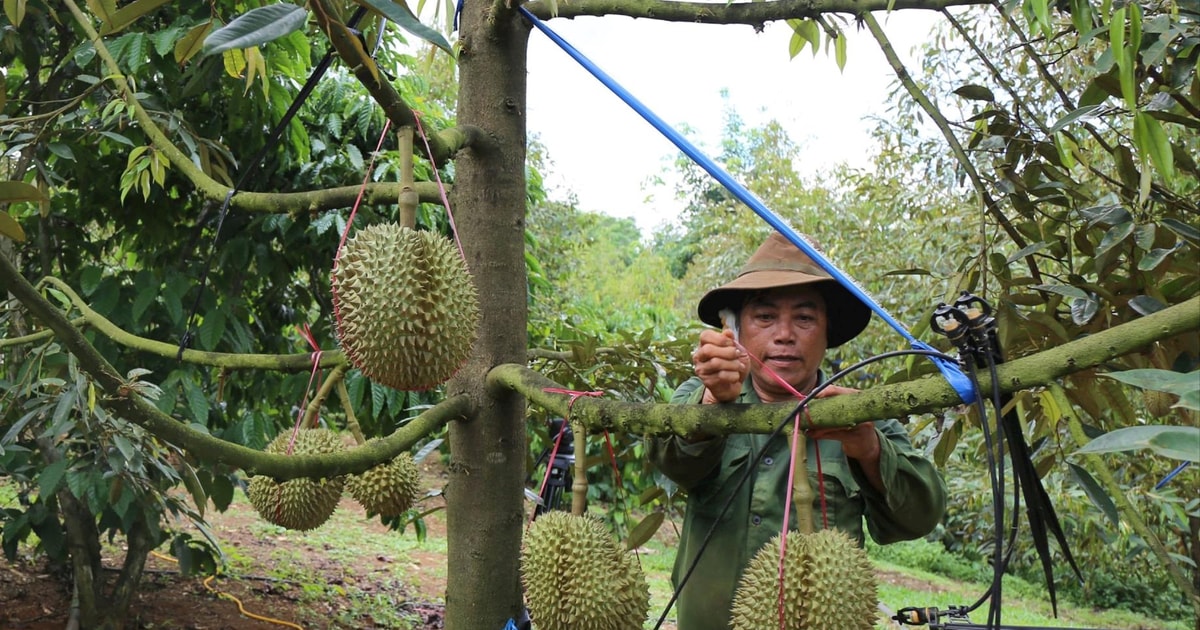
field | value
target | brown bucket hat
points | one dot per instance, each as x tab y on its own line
779	263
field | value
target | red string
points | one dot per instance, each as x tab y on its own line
441	187
362	190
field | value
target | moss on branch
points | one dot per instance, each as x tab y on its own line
122	401
887	401
754	14
231	361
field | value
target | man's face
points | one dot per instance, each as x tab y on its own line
785	329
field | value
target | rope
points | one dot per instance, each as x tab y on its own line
949	369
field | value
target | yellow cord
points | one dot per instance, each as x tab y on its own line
241	608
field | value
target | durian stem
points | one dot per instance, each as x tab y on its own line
310	412
351	419
579	487
802	493
408	198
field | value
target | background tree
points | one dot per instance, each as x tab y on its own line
1077	253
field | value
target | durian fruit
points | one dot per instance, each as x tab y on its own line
1158	403
577	578
407	309
300	503
828	585
387	489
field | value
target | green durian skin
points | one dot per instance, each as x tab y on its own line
828	580
388	489
407	308
300	504
577	578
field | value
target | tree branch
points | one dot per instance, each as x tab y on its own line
298	362
754	14
444	143
959	153
887	401
127	404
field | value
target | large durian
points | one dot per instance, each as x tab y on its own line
387	489
827	585
407	310
300	503
577	578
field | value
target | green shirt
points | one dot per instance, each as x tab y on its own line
710	470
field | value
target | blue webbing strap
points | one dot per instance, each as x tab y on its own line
959	381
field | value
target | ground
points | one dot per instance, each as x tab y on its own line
350	573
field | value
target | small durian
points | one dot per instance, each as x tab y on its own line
406	308
301	503
577	578
387	489
828	584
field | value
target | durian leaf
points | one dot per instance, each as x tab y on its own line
644	530
426	450
1094	492
256	27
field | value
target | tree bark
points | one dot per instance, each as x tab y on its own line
487	467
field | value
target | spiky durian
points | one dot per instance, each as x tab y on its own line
577	578
827	585
407	310
387	489
298	503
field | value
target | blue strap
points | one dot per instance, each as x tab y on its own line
951	371
511	625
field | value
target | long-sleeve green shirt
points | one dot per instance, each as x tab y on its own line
910	507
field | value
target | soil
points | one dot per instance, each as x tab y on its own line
320	585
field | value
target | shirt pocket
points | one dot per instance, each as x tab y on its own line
844	502
710	496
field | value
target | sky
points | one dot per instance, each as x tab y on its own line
604	153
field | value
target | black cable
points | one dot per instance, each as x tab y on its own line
775	433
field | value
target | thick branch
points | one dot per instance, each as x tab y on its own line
888	401
231	361
126	404
755	14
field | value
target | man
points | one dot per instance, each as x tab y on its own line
788	312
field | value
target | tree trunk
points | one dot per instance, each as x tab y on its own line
487	468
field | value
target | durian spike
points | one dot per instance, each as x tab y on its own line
802	493
579	487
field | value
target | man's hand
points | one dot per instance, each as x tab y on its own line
721	366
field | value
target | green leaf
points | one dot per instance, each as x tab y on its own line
1115	236
13	192
1145	305
1175	442
975	93
1094	492
399	13
1064	290
644	530
144	299
221	492
256	27
14	10
10	228
1079	114
51	477
197	401
839	50
128	14
1083	310
1168	381
1182	230
1151	140
1154	258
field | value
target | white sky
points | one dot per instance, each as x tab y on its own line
604	152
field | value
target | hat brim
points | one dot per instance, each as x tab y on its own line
845	314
